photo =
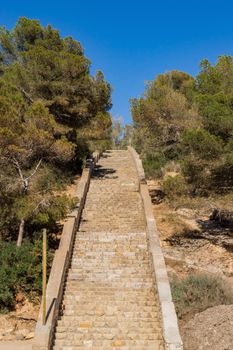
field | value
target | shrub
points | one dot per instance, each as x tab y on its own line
153	165
172	166
20	270
222	176
216	111
197	292
197	173
174	186
202	143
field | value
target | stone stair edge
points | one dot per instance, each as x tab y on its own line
169	318
44	333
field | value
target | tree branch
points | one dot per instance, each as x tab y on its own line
16	164
34	172
25	180
28	97
42	203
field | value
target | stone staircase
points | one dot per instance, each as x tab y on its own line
110	299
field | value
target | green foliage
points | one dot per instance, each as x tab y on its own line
162	115
198	292
213	79
176	80
174	186
202	143
217	113
51	111
54	209
192	170
191	121
153	164
20	270
221	179
47	71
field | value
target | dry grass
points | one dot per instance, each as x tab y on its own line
198	292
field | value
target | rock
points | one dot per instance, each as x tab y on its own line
8	331
24	332
99	312
157	196
210	330
19	336
29	336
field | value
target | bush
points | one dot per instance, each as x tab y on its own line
172	166
196	172
20	270
153	165
198	292
174	186
222	176
202	143
216	111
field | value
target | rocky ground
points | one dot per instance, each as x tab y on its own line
20	324
192	243
190	240
210	329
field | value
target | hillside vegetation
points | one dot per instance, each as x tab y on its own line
183	129
53	113
185	124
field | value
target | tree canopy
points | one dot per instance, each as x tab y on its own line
190	121
52	113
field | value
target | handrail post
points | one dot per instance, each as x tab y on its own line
44	262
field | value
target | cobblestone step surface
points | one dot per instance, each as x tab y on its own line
110	300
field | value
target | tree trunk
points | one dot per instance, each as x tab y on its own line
21	232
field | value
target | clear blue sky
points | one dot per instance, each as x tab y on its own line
133	41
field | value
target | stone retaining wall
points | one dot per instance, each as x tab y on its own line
54	292
170	325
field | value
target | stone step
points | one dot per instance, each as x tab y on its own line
123	317
95	332
121	320
110	344
71	300
130	312
110	300
131	324
106	334
152	347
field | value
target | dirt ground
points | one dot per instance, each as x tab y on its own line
181	229
192	244
19	345
20	324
